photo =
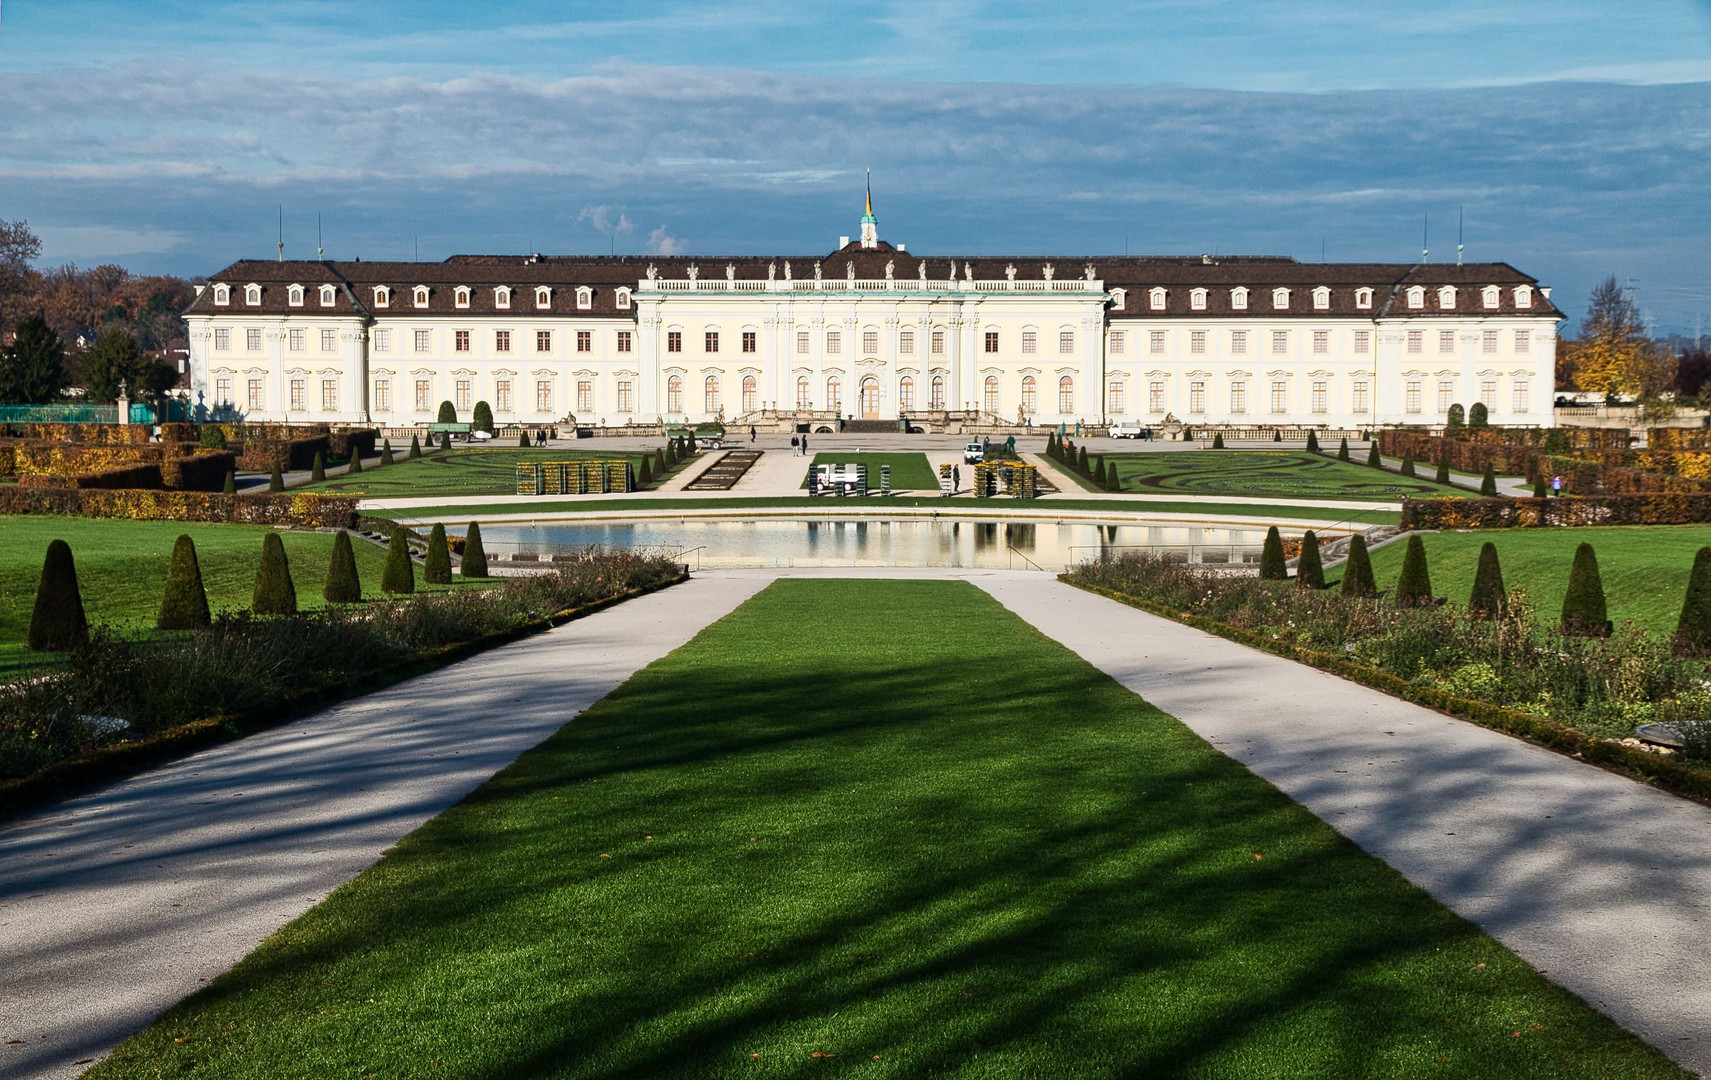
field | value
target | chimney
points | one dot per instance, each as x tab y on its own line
843	242
1545	291
902	247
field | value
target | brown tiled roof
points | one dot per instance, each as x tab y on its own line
1136	274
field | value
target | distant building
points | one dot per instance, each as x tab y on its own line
871	331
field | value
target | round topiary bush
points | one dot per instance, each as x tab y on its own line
1693	631
318	471
1358	583
400	573
474	564
184	606
437	567
1488	599
447	414
1477	415
274	592
1414	586
1584	611
1272	565
1309	568
342	585
1456	417
483	417
58	624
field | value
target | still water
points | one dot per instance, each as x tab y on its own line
880	543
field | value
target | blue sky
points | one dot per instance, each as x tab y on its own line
1573	135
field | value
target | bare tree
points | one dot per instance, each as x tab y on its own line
18	246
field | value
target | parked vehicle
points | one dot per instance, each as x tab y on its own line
973	454
1126	431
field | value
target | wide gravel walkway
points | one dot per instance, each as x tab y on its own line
115	905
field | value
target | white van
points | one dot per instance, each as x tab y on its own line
1126	431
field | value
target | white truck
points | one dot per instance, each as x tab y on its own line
1127	431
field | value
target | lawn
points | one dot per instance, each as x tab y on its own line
1289	474
909	472
487	471
883	829
1644	567
121	568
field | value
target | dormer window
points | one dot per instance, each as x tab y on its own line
382	296
1197	299
623	299
584	298
1119	297
502	296
1491	296
1156	299
1363	298
1524	296
1280	299
420	293
1239	298
543	298
461	296
329	296
1416	297
1321	299
222	295
294	296
252	295
1447	298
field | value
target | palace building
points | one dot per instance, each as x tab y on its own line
871	331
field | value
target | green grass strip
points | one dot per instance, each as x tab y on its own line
882	827
909	471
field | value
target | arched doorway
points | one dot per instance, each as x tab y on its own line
870	398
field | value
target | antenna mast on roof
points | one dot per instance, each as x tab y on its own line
320	252
1458	236
281	232
1425	231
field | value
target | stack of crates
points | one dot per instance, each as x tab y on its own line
1021	481
946	484
575	477
986	479
529	479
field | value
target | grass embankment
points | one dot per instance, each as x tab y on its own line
909	472
1288	474
1644	567
486	471
819	836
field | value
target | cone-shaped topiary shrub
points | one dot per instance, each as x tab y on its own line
1584	612
185	603
400	574
318	471
1081	461
474	563
57	624
1477	415
1357	571
1456	417
1407	465
660	467
1693	632
522	439
1343	450
645	474
1488	484
386	451
1099	476
669	455
1187	433
343	586
1312	442
415	446
1113	481
231	486
447	414
1488	598
483	417
1272	565
1373	459
1276	434
445	440
437	567
1414	586
274	592
276	480
356	462
1218	441
1541	490
1443	474
1309	568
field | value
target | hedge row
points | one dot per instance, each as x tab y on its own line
1465	455
1631	472
1508	513
92	434
303	510
261	455
1671	438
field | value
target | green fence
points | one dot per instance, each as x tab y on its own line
141	413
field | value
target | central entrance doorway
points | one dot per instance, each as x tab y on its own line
870	398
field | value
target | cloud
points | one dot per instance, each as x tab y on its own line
661	242
66	242
603	221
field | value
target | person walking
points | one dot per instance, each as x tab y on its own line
751	433
956	479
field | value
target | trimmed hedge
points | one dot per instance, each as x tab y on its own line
289	454
1504	512
303	510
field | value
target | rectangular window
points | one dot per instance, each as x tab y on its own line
463	395
1279	342
1321	396
424	395
1523	341
223	339
1117	343
1197	396
1488	341
712	341
1520	395
460	341
1066	342
1155	397
626	396
383	341
383	395
1416	341
834	343
938	342
1239	397
329	340
222	391
422	339
543	341
1115	393
750	344
1446	394
329	395
623	341
905	343
1488	394
674	341
584	396
1197	341
1239	342
869	342
992	341
1321	341
1028	342
1446	341
1155	339
803	345
1363	341
255	400
502	395
1411	397
296	395
1279	396
296	340
585	341
252	340
543	395
1359	395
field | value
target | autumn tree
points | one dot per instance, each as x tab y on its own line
1613	355
18	245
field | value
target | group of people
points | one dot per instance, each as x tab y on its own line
799	444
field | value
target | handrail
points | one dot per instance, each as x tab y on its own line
1014	555
697	550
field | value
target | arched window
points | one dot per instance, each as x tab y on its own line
1321	298
1156	299
461	297
1492	296
937	401
1197	299
382	296
1416	297
222	295
834	393
748	393
421	294
870	398
329	296
906	393
1447	298
674	394
1030	395
294	296
1524	296
584	298
1115	394
1066	395
991	395
1363	298
1239	298
252	295
711	396
543	298
623	299
802	392
1280	299
502	296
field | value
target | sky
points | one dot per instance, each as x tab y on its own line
1570	137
